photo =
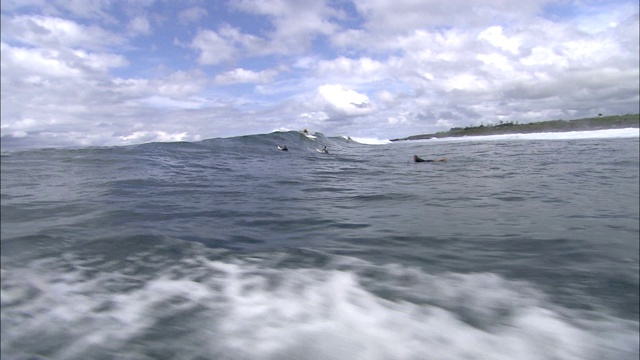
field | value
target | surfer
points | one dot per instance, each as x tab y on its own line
324	150
284	148
416	158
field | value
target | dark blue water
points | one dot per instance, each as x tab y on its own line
515	248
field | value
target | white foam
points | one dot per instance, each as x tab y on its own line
570	135
369	141
329	315
247	310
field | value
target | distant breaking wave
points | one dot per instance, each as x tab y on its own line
369	141
569	135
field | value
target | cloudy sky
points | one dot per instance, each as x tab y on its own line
116	72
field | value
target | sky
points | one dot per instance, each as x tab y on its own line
118	72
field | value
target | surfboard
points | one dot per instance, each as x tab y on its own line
309	136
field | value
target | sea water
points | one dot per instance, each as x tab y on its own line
517	247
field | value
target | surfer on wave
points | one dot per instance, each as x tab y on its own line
284	148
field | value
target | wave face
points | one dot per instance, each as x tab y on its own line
292	139
231	249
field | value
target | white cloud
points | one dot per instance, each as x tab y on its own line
139	25
96	9
21	125
180	84
240	75
540	55
353	69
152	136
35	62
226	44
192	15
296	23
36	65
495	37
165	103
466	82
213	48
386	97
49	31
400	119
345	102
497	60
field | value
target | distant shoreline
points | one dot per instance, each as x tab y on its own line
598	123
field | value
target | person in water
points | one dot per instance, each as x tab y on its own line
324	150
284	148
416	158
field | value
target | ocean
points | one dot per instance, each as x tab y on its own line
516	247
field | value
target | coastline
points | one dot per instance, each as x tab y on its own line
586	124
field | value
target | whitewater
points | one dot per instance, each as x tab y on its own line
521	246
